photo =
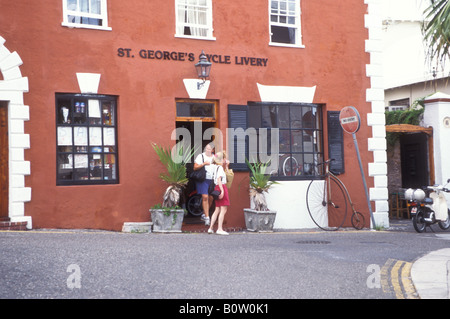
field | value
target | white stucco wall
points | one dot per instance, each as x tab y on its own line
12	88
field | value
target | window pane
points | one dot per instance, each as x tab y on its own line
285	141
64	135
95	136
95	6
79	115
296	117
110	167
185	109
64	112
109	137
292	7
269	116
274	5
308	119
108	113
80	135
84	5
283	34
72	5
297	140
283	116
95	167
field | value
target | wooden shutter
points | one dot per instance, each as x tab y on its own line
335	142
237	118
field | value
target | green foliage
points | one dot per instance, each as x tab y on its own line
175	165
404	117
259	180
436	30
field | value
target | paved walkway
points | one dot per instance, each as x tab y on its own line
431	275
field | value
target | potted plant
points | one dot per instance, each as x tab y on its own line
168	216
259	218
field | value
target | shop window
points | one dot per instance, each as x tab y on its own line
300	136
284	20
86	139
85	14
194	19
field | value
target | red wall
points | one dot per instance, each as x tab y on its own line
334	59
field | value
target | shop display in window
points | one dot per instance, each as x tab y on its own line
86	139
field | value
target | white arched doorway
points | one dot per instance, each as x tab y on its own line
14	168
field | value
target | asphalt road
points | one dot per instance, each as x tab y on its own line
74	264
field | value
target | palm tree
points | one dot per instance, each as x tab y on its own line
259	183
437	30
175	176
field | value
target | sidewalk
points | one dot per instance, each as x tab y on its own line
431	275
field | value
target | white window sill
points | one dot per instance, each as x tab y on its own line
286	45
194	37
85	26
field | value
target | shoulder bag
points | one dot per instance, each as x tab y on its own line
199	175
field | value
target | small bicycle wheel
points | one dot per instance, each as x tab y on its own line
326	203
419	221
194	205
358	220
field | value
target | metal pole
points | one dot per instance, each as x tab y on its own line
364	179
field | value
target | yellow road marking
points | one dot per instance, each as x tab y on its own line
396	276
396	280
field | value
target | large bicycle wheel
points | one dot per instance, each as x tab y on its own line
326	203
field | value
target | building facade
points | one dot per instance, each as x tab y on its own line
87	86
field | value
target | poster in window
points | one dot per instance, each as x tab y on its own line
109	137
95	136
94	108
80	135
64	136
81	161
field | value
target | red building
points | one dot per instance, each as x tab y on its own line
87	85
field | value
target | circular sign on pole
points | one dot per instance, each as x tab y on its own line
349	119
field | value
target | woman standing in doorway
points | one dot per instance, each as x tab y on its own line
204	160
222	203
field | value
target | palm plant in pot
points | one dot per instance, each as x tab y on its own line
168	216
259	218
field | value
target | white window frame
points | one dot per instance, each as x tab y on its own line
179	26
296	25
103	16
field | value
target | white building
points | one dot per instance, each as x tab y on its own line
408	72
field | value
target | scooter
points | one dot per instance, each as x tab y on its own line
428	206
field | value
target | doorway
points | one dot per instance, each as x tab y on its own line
4	159
414	159
195	117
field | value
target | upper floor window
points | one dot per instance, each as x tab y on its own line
284	17
90	14
194	19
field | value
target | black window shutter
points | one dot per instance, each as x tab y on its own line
237	118
335	142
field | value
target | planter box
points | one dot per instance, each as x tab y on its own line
259	221
167	221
